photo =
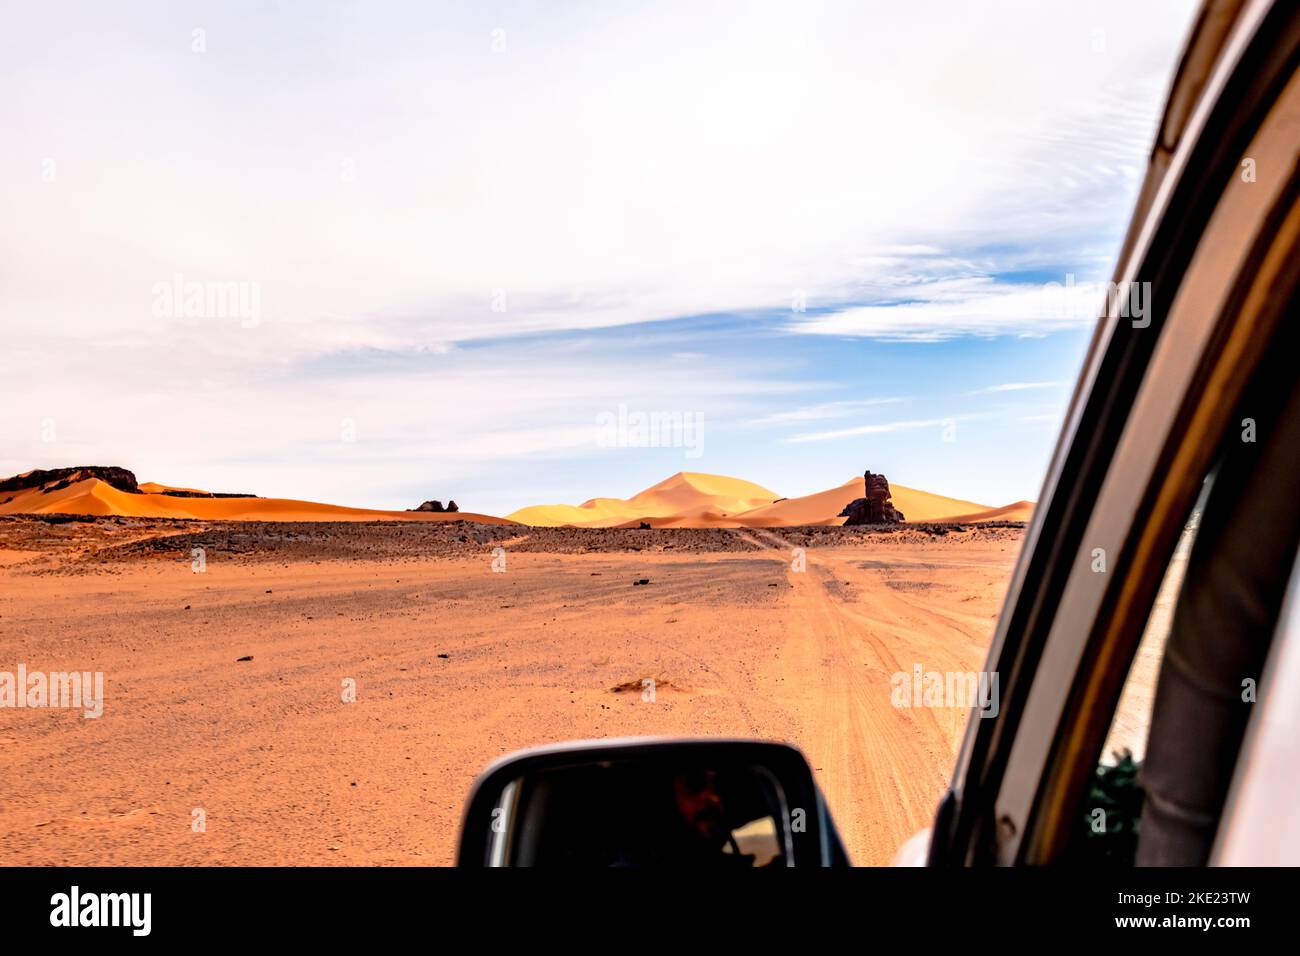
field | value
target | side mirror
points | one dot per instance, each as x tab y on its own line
650	802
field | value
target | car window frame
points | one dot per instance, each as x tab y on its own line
986	814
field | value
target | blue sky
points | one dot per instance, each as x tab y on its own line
836	234
948	415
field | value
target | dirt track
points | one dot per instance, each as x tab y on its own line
455	664
883	768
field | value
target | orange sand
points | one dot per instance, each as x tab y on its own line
685	500
454	666
91	496
694	500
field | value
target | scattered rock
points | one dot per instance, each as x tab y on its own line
280	543
240	660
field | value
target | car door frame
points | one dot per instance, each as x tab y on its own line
1135	443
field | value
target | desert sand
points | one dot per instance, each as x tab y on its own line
683	500
696	500
455	664
93	496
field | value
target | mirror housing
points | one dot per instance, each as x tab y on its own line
650	802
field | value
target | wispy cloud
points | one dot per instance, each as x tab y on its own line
822	411
936	310
881	429
1016	387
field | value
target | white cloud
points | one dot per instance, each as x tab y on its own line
1016	387
822	411
881	429
946	308
400	192
822	148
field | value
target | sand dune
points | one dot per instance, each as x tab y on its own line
1016	511
820	508
694	500
691	497
684	500
685	492
153	488
824	507
92	496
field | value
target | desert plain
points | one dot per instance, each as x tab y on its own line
293	683
458	653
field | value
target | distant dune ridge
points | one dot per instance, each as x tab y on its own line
97	490
692	499
684	500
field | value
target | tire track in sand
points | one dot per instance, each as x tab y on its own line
882	768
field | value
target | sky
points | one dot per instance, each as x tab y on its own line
377	253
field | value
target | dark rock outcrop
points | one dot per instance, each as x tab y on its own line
55	479
876	507
452	506
434	506
119	478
